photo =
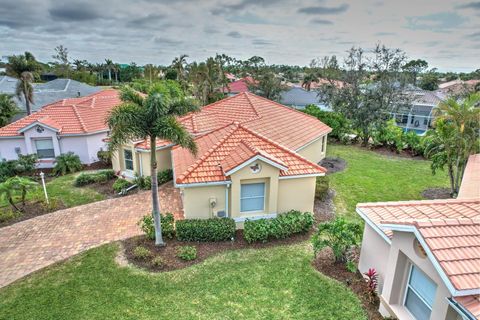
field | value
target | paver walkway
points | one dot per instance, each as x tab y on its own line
33	244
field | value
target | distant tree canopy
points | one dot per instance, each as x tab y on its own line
415	68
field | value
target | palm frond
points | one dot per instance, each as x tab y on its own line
169	128
126	123
129	95
180	107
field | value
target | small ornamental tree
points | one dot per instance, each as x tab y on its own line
339	235
15	186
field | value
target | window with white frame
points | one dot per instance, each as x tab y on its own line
128	159
45	148
420	294
252	197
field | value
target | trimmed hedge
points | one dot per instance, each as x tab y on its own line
84	179
121	184
205	230
281	227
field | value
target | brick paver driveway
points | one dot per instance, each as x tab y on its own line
33	244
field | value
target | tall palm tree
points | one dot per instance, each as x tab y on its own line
150	117
308	79
109	65
456	136
179	64
25	89
8	109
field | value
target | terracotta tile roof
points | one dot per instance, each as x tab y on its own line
471	304
70	116
455	244
277	122
237	86
226	148
470	187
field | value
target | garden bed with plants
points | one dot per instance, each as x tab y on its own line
325	264
191	241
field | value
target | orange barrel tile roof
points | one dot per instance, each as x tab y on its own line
70	116
230	146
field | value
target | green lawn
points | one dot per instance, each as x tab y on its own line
62	189
274	283
371	177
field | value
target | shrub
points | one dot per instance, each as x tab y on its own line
187	253
281	227
25	165
143	182
158	262
8	214
16	187
141	253
321	187
164	176
414	143
351	266
372	282
339	235
120	184
84	179
67	163
215	229
148	226
335	120
104	156
390	136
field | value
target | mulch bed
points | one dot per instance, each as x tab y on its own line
326	265
31	210
105	188
392	153
333	164
437	193
324	209
204	250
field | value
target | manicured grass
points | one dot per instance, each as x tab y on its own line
62	189
273	283
371	177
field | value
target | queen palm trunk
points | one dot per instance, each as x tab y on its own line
155	202
27	100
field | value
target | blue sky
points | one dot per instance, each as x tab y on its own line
445	33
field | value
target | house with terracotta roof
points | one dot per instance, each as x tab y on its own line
238	86
75	124
256	158
426	253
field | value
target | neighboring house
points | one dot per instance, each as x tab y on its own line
256	158
457	87
238	86
76	125
417	116
298	98
48	92
426	253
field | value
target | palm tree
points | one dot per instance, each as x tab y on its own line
15	185
109	65
456	136
179	65
308	79
8	109
25	88
150	117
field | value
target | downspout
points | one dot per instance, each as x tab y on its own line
226	200
140	156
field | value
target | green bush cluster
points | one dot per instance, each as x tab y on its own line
67	163
24	165
321	187
157	262
145	182
283	226
85	178
8	214
335	120
104	156
148	226
215	229
121	184
396	139
187	253
141	253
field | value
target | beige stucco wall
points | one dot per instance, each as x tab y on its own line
196	201
141	163
373	254
313	151
280	194
269	175
402	254
298	194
